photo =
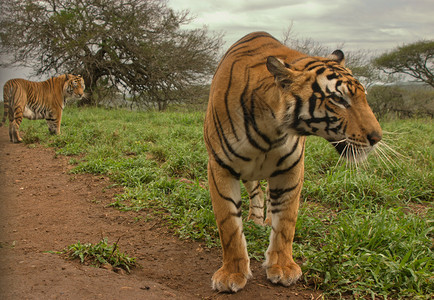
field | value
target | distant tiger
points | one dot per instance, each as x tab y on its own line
39	100
265	99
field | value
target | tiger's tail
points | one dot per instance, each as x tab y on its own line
5	106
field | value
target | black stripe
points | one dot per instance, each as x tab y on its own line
236	204
279	172
317	89
244	40
221	135
297	109
249	120
257	186
283	158
333	76
320	71
218	129
250	52
241	42
276	194
308	64
264	86
326	119
227	101
329	109
221	163
232	236
337	128
312	105
253	195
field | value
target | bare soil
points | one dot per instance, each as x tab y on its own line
44	208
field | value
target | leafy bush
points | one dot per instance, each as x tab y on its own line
402	101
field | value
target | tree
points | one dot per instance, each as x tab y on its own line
416	60
134	46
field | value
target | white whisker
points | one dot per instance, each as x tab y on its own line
354	156
340	157
383	159
363	153
386	156
394	132
338	142
396	153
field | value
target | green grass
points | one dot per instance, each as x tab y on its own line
100	254
365	232
381	252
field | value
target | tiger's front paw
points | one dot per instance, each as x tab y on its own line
285	275
225	281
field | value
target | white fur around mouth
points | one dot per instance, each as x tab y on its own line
351	151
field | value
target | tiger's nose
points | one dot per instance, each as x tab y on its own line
374	138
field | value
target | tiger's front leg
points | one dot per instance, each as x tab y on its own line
284	200
53	123
225	194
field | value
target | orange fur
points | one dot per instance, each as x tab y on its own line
264	100
39	100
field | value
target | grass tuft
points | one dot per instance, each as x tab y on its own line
100	254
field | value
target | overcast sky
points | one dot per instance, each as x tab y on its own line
378	25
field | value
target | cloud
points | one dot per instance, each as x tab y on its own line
368	24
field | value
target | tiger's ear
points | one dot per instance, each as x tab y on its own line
338	56
280	71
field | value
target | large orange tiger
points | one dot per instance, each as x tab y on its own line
39	100
265	99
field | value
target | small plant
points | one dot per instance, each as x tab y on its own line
100	255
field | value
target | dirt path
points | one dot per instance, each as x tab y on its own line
44	208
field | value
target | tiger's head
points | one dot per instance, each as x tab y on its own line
322	98
74	86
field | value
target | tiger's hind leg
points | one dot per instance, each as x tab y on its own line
256	205
5	112
7	95
284	199
269	213
15	120
225	191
